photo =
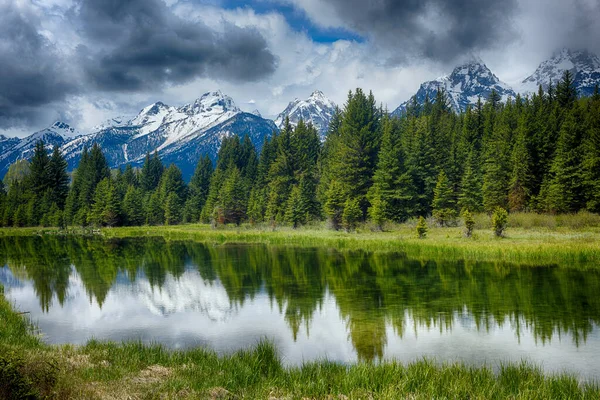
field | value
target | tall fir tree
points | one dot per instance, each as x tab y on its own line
519	191
443	204
58	178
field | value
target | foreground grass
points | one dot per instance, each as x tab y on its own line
31	369
567	240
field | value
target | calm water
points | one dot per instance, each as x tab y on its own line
313	303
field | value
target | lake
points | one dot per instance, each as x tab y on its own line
313	303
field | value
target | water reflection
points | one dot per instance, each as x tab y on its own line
314	303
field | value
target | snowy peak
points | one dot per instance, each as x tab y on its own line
151	116
584	66
62	129
211	102
115	122
464	86
317	109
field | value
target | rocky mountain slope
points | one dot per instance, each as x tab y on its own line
463	87
584	66
317	109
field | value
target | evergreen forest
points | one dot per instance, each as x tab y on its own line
536	154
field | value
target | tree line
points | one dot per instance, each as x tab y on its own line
539	153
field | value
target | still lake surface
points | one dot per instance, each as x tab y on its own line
313	304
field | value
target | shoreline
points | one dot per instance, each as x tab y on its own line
560	246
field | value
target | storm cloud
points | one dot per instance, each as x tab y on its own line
439	30
139	44
33	73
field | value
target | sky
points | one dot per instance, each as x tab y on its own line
85	61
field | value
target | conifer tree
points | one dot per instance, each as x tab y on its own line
421	164
39	169
392	194
334	206
151	173
133	211
293	210
351	215
519	184
355	157
564	184
106	208
470	188
154	209
198	189
58	178
443	201
566	94
232	197
495	178
591	163
172	209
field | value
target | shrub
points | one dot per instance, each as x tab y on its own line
499	220
421	228
469	223
351	215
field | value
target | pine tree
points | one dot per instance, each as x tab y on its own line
355	157
470	188
232	198
106	207
58	178
392	194
151	173
172	182
39	170
566	94
351	215
309	205
564	184
443	201
133	212
198	189
334	206
293	210
153	209
495	178
591	163
172	209
518	191
421	165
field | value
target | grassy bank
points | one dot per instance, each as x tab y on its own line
568	241
132	370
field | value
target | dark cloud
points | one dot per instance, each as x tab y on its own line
440	30
137	44
32	74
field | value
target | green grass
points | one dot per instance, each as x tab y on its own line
100	370
535	239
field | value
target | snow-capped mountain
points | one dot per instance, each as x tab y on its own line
181	135
584	66
317	109
463	87
14	149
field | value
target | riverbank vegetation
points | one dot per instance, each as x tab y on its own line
31	369
537	154
569	241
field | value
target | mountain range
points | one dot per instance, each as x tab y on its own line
472	80
182	134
